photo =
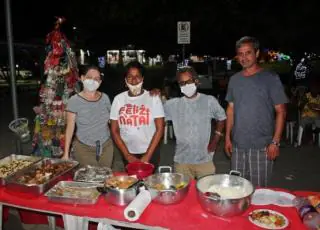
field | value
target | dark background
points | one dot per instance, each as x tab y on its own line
290	26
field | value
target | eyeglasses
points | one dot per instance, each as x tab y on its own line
182	83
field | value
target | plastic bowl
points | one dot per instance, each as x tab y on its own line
140	169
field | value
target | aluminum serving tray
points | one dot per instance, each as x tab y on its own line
13	184
13	157
92	174
66	198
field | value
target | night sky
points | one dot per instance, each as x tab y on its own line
151	24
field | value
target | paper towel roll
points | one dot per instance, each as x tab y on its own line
134	210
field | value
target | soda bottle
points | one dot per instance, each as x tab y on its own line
308	214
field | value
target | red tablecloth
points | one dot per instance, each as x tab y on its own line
186	215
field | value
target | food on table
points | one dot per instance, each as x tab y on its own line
13	166
163	187
180	185
74	192
159	187
268	219
93	174
235	192
115	182
44	173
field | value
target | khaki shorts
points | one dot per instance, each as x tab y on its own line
195	171
86	155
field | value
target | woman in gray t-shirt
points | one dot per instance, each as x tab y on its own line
89	111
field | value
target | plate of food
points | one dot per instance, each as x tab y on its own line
268	219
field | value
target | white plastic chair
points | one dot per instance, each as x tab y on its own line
289	130
300	92
300	134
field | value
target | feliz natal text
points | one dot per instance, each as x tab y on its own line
134	115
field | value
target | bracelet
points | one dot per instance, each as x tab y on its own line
218	133
275	143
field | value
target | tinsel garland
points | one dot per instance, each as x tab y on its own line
60	68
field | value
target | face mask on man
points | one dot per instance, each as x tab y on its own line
135	89
189	89
91	85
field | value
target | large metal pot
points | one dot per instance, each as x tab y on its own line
175	186
121	197
220	206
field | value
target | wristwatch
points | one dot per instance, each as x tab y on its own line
275	143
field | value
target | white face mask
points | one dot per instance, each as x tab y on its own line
135	89
91	85
189	89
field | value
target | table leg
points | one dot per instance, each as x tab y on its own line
75	222
1	216
52	222
85	224
104	226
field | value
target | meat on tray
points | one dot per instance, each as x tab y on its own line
44	173
13	166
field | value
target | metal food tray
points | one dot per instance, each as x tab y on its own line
13	157
13	184
69	199
92	174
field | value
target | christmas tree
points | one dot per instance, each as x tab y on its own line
61	76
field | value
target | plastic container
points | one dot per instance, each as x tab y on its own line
21	129
140	169
308	214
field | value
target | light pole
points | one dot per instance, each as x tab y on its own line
12	66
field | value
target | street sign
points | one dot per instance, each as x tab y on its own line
184	32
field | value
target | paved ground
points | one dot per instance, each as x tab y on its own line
295	169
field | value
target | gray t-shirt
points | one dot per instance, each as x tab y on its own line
191	120
91	118
254	99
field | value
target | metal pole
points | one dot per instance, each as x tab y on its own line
183	52
12	65
214	68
